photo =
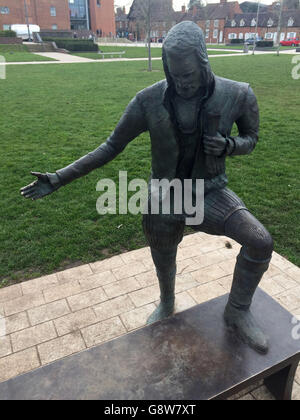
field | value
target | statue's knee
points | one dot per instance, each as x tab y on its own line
261	245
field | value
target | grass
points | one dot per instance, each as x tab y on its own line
241	47
130	52
52	115
20	53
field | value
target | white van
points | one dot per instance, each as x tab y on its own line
22	31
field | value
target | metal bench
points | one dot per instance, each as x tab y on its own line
111	54
190	356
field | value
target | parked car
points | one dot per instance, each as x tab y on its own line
22	31
250	41
290	42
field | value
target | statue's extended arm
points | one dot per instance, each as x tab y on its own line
131	124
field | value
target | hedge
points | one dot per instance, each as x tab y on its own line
264	43
8	34
73	44
237	41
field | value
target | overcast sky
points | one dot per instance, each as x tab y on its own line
178	3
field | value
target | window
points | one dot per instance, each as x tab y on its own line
52	11
270	22
207	24
98	3
253	22
6	27
4	10
54	27
242	22
207	33
291	35
290	22
241	35
233	23
269	35
216	23
232	36
215	33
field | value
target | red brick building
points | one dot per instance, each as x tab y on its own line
243	26
212	18
95	15
48	14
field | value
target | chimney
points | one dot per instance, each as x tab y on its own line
124	10
119	11
223	1
183	9
194	10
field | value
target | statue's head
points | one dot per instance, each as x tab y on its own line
185	59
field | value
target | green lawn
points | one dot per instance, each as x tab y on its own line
130	52
52	115
241	46
20	53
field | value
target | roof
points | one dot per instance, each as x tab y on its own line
211	11
161	10
263	19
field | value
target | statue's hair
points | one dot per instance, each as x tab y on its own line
186	38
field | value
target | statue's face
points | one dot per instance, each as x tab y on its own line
186	74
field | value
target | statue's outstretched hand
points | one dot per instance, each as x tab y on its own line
38	188
214	145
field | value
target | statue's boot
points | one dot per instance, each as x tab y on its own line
247	275
166	272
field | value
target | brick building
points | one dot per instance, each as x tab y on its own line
243	26
212	18
162	16
95	15
122	29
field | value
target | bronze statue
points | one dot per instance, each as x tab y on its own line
189	116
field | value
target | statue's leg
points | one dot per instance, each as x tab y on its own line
163	234
252	262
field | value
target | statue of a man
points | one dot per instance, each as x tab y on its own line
189	116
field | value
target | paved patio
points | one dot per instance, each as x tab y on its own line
54	316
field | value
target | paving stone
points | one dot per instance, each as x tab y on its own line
285	281
296	392
270	286
228	266
32	336
144	296
137	317
129	270
37	285
262	393
290	299
61	347
75	321
62	291
207	274
281	262
272	271
136	255
189	252
148	263
226	282
86	299
10	292
212	245
107	264
184	282
48	312
121	287
294	273
206	291
16	322
189	240
97	280
210	258
147	279
103	331
246	397
188	265
18	363
113	307
5	346
23	303
297	376
183	302
74	273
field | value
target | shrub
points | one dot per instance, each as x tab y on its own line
8	34
73	44
236	41
264	43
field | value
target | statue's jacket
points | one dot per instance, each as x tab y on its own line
231	101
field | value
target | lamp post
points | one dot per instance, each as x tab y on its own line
26	18
257	15
279	26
